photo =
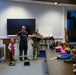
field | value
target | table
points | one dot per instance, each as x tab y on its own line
57	67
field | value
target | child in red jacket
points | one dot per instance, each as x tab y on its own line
12	48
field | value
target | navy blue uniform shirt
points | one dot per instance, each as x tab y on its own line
23	36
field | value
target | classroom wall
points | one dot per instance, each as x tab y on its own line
50	20
47	16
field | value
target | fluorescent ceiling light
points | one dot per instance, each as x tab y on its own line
56	3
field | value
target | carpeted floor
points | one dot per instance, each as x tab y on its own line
37	67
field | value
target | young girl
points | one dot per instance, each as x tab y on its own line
64	46
62	51
12	48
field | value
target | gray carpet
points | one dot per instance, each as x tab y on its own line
37	67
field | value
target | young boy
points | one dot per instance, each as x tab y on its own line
12	48
73	58
65	56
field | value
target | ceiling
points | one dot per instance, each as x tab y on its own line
67	3
59	1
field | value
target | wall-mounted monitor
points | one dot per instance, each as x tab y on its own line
15	25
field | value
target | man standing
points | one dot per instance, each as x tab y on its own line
23	34
36	43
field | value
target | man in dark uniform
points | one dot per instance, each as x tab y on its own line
23	34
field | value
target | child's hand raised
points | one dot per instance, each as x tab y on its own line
55	58
58	55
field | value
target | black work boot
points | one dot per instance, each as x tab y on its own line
20	58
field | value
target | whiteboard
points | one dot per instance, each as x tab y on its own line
46	31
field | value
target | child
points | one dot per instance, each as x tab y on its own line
52	45
73	58
65	56
12	48
58	48
74	70
62	51
57	42
74	65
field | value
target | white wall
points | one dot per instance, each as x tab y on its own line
48	16
51	17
